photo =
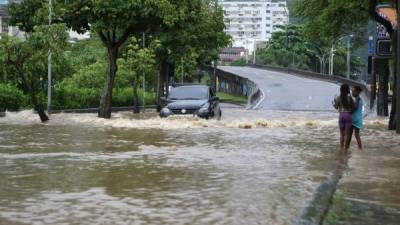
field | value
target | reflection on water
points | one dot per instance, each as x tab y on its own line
79	169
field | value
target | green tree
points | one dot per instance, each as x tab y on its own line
115	21
27	59
141	63
287	47
331	19
25	14
198	36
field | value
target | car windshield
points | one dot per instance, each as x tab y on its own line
188	93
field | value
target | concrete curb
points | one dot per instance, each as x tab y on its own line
315	211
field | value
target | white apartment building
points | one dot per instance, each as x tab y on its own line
251	22
4	18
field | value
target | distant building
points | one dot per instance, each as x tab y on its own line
232	54
251	22
5	28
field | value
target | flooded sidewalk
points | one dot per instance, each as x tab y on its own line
369	192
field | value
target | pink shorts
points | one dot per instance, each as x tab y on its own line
345	120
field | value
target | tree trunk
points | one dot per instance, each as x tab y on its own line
214	78
383	96
36	105
161	84
396	100
392	120
39	108
397	75
136	108
106	97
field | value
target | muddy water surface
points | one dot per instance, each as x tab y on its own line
249	168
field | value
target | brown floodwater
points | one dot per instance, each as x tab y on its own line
258	167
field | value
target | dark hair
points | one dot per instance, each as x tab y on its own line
344	95
358	88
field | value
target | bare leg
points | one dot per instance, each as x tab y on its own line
358	138
347	137
342	133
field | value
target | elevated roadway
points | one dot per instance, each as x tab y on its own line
281	91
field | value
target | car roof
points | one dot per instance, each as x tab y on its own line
196	85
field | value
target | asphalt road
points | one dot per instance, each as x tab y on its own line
282	91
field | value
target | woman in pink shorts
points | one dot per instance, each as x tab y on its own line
345	105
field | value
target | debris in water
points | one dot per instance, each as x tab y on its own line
262	123
245	126
311	124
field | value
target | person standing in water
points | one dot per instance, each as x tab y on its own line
345	105
357	115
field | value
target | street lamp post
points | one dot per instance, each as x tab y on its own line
255	52
348	61
348	57
49	77
322	57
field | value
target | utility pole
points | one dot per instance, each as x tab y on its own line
183	71
49	77
398	71
144	76
331	60
255	52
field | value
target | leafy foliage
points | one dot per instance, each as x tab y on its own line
290	47
11	98
287	47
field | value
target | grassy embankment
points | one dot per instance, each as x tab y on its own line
241	100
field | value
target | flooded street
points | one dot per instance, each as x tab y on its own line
258	167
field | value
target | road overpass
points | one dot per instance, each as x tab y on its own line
281	91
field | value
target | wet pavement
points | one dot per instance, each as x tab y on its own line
287	92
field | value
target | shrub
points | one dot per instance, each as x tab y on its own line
11	98
71	97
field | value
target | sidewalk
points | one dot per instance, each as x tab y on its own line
369	192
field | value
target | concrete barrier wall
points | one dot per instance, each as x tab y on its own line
234	84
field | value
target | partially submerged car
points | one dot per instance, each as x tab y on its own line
196	100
